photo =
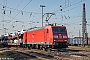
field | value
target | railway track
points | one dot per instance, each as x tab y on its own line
25	54
35	54
41	55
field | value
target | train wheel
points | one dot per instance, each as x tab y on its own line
40	47
31	46
44	49
28	47
37	47
25	46
49	49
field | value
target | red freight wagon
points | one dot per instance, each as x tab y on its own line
47	37
89	40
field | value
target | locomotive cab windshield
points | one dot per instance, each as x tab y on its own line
59	30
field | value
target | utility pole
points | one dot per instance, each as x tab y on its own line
84	30
79	34
42	13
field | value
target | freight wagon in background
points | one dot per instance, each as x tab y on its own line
10	40
77	41
89	41
46	38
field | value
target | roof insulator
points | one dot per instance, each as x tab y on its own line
4	11
60	9
60	5
22	13
3	7
10	11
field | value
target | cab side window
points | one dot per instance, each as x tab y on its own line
47	31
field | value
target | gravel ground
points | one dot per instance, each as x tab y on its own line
72	53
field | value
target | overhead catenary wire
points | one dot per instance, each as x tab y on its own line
11	17
22	12
18	19
26	12
64	11
69	6
15	10
19	4
69	17
22	9
8	16
29	12
69	10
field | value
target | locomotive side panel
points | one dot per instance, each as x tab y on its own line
40	36
36	37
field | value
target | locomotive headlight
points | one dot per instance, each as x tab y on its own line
65	40
65	37
55	36
54	40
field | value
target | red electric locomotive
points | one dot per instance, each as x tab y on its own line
47	37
